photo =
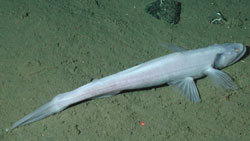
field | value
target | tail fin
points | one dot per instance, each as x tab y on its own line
46	110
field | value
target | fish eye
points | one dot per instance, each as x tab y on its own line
237	49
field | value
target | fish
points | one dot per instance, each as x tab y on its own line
179	69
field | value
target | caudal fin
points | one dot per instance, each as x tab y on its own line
42	112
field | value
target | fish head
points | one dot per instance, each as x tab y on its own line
229	53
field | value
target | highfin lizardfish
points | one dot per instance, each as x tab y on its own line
179	69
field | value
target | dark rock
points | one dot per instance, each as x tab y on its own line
168	10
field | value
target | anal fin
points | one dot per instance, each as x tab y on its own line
107	95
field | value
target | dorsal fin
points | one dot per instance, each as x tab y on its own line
172	47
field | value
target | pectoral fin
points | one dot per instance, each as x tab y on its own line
188	88
221	79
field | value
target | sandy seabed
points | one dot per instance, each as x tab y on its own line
49	47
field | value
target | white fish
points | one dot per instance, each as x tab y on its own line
180	69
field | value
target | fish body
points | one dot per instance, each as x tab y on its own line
179	69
